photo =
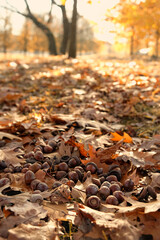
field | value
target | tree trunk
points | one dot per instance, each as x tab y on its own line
66	29
157	45
72	43
51	40
50	37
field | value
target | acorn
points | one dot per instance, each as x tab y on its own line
152	192
117	172
104	192
128	185
143	195
73	175
92	189
111	178
92	167
36	198
119	195
93	202
65	158
112	200
96	181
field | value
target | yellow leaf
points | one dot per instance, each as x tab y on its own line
63	2
89	2
117	137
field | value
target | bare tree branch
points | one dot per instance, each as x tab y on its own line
43	27
50	14
28	8
15	11
53	2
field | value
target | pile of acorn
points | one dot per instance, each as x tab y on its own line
105	187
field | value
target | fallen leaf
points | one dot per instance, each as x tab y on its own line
47	231
10	157
8	135
118	228
126	138
105	155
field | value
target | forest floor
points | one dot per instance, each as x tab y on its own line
66	127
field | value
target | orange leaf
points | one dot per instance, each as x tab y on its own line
7	212
127	138
91	152
114	156
117	137
85	161
60	104
80	146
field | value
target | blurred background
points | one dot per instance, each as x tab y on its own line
117	28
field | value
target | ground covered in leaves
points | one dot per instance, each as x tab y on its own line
57	110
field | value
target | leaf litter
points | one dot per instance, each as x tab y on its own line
107	114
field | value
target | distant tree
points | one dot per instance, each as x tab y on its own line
5	32
85	36
151	19
25	36
129	17
140	20
41	25
69	41
38	43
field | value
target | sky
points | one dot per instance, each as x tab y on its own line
94	12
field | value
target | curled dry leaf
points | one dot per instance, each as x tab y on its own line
28	210
62	194
10	157
155	180
138	157
8	135
135	206
118	228
106	155
79	191
47	231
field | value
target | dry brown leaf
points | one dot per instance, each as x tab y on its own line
78	191
62	194
155	180
139	158
118	228
8	135
106	155
28	210
151	223
9	223
10	157
46	231
146	207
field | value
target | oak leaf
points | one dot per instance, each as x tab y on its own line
126	138
10	157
